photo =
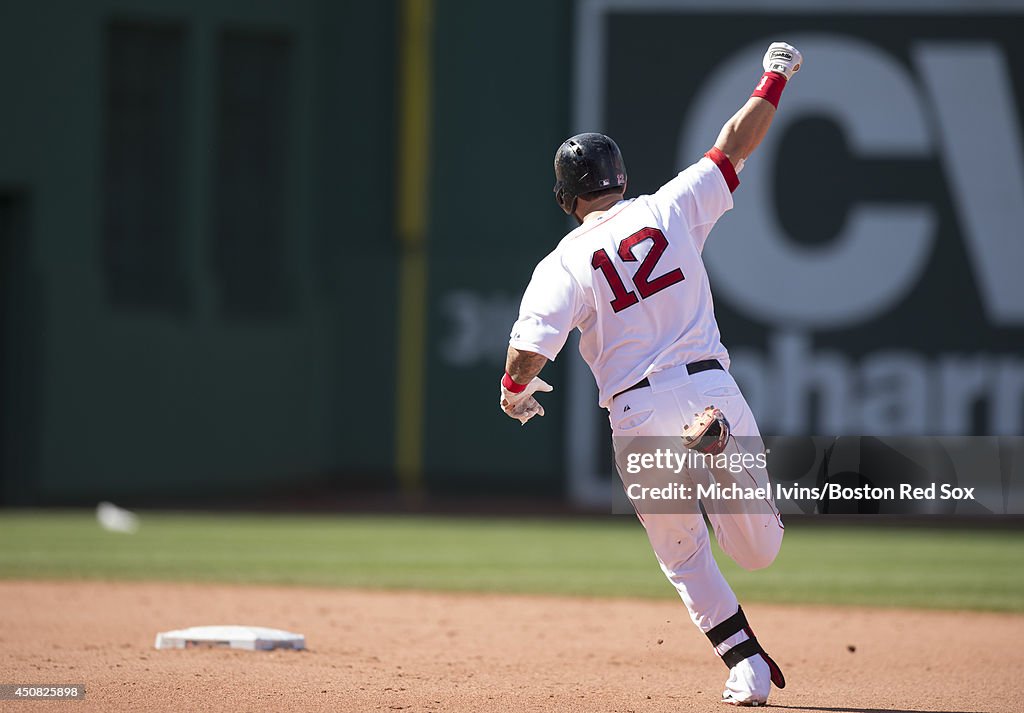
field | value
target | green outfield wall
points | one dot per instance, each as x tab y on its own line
200	264
266	247
197	240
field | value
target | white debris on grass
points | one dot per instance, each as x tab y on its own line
115	519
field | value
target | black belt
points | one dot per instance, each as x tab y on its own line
691	369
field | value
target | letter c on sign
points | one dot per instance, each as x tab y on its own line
880	251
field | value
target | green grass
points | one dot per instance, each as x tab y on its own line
973	569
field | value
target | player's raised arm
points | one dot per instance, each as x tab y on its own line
745	130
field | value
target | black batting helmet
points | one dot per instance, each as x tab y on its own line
584	164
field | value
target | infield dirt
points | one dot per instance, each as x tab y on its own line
410	651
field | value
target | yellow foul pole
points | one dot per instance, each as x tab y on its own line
413	194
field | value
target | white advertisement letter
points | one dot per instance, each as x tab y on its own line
880	251
982	157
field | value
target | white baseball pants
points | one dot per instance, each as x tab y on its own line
750	535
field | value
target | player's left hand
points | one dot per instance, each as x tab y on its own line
783	59
523	406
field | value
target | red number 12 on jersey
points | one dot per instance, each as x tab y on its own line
642	279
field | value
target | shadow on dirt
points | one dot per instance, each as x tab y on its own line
862	710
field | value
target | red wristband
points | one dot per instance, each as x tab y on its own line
511	385
770	87
725	166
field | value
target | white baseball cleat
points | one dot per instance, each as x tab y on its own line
749	683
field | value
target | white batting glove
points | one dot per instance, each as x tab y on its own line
783	59
523	406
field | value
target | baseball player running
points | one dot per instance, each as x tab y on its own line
632	280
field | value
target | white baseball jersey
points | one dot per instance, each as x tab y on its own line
634	284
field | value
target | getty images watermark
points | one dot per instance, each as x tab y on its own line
825	475
665	459
662	459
